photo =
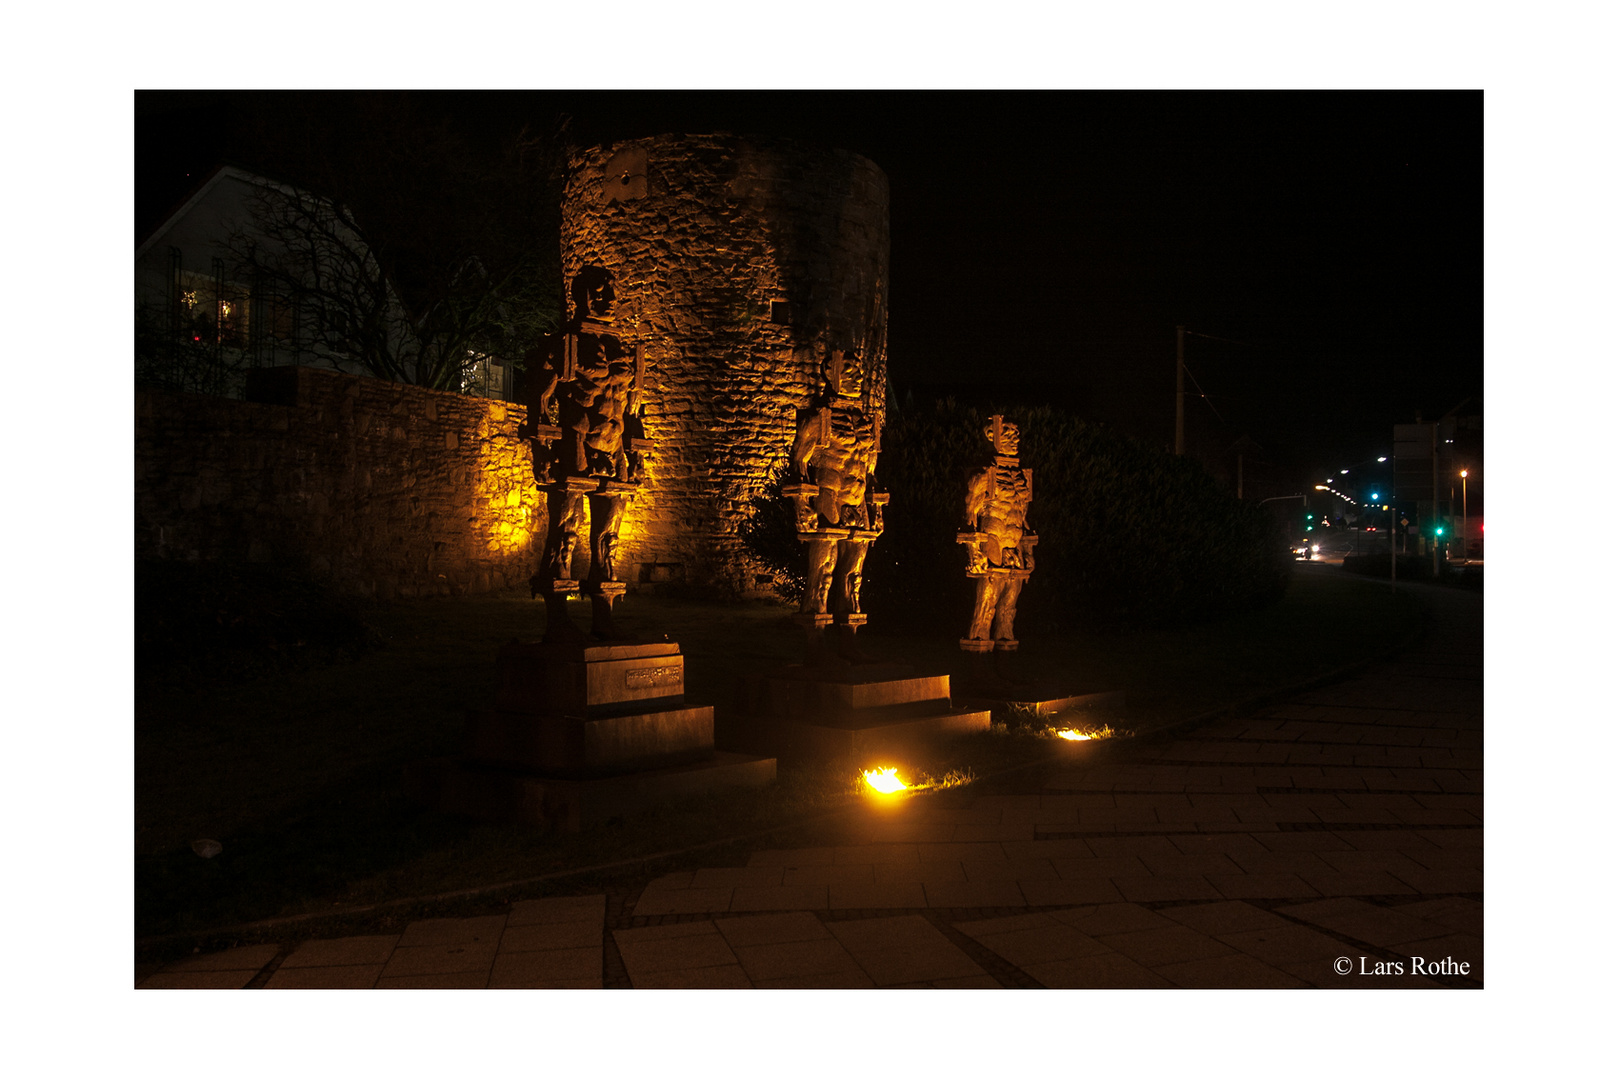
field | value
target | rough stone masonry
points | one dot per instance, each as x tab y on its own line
739	265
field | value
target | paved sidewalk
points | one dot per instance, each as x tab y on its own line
1340	830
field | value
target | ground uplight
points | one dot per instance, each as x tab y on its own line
884	780
1072	735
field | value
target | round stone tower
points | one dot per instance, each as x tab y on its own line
739	266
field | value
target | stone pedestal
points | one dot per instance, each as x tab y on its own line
855	710
581	733
1025	701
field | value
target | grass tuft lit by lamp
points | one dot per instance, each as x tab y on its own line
883	780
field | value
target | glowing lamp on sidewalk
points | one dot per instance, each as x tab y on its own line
884	780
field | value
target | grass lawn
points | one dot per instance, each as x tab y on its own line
296	770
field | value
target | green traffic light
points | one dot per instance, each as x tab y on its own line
1439	530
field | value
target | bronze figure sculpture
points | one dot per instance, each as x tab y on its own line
588	455
1000	543
838	509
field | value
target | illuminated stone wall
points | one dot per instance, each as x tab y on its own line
383	489
738	263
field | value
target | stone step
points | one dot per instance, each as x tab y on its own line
799	739
562	745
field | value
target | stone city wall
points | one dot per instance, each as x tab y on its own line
380	488
739	264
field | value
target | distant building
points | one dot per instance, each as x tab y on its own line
202	322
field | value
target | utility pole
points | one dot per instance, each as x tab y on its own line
1180	391
1464	517
1433	461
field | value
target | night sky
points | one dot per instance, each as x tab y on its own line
1324	250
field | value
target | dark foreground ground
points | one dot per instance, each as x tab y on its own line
1274	844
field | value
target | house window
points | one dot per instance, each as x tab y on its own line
212	311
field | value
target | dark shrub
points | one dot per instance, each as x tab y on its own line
1128	533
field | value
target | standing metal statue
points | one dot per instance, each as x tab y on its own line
585	429
838	509
1000	544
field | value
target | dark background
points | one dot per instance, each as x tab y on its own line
1324	250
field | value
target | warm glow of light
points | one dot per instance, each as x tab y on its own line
884	780
505	501
1072	735
1464	472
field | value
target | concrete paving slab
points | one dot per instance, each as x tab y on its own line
430	932
198	980
558	909
1009	870
1282	945
451	980
1457	913
339	952
1233	972
724	977
555	969
1111	919
799	959
1261	886
887	895
1105	971
646	955
903	949
917	873
474	956
683	901
778	898
584	934
845	874
1353	918
726	877
1222	917
1044	943
974	894
1164	887
242	958
340	977
818	856
748	930
1096	890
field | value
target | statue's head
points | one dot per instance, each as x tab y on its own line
1002	436
1009	439
844	374
593	292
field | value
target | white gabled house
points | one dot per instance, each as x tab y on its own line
203	321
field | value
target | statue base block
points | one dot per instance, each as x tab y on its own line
1029	702
855	710
582	733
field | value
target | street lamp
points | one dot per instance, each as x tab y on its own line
1464	517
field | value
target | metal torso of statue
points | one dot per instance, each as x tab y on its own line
839	512
590	461
1000	544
